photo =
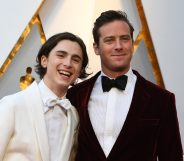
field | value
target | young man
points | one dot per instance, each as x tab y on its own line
123	117
39	123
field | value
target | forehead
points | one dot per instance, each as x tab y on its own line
116	27
68	46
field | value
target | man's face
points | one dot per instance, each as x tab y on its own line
115	48
63	65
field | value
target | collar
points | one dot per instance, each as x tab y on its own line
46	93
131	79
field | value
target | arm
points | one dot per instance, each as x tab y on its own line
6	124
169	143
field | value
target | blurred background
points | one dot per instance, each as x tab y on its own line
158	36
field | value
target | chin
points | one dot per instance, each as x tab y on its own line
121	68
63	84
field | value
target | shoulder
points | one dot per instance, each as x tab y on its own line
8	104
18	98
11	98
81	91
83	86
150	87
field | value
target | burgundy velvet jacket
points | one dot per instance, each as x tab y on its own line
150	130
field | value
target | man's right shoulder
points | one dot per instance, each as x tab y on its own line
81	91
84	85
81	86
76	93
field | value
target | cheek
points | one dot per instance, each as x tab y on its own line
107	49
129	47
105	52
77	73
78	69
105	55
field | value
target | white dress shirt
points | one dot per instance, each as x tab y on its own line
56	121
108	110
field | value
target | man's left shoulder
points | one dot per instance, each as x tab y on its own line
151	87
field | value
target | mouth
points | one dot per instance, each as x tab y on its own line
119	54
65	73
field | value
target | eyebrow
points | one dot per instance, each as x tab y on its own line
62	51
125	35
107	37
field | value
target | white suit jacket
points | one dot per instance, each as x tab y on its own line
23	134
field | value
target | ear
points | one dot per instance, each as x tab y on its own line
96	49
44	61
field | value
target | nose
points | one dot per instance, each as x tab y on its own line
67	62
118	45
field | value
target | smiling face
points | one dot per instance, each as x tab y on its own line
115	48
63	66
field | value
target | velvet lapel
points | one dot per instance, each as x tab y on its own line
85	115
139	101
35	106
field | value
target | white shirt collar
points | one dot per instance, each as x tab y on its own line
46	93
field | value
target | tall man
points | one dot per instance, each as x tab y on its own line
39	123
123	117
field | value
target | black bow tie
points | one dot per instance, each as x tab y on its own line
119	82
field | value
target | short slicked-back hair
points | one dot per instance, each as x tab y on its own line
109	16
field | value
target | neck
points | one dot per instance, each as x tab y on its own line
59	91
115	74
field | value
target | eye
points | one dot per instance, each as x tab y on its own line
108	40
60	55
126	38
76	59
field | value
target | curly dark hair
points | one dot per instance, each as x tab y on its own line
109	16
51	43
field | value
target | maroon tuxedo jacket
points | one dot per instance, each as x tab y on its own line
150	130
